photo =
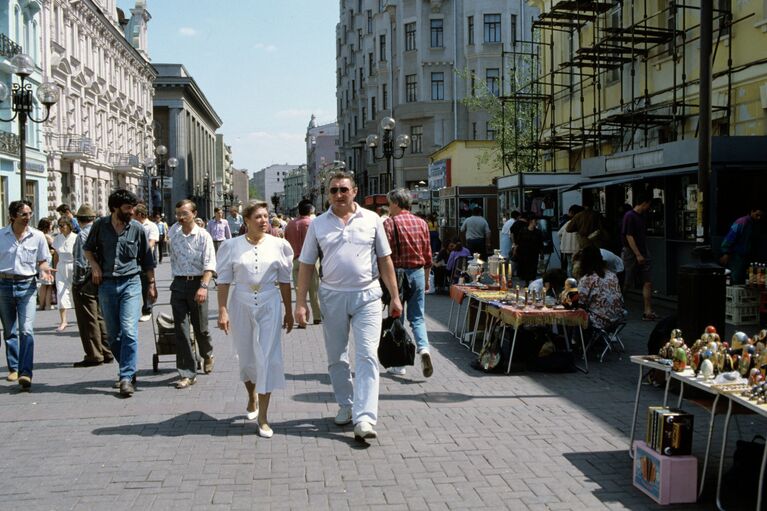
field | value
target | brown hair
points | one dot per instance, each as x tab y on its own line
141	210
183	202
342	174
252	207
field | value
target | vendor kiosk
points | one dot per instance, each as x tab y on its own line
456	204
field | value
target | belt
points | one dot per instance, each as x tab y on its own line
13	276
188	277
410	268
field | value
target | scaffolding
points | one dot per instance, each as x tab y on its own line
609	42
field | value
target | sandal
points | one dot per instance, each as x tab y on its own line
649	317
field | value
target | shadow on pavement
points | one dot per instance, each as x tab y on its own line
426	397
323	378
200	423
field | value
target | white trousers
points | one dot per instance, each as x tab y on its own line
360	310
256	320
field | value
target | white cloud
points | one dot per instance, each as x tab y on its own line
269	48
187	31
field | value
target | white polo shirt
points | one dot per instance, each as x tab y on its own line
349	252
21	257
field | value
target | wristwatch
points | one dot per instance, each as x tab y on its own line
203	285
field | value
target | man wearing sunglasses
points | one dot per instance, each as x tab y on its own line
355	251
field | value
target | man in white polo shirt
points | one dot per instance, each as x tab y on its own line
354	252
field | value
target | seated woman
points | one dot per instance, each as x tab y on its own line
600	293
439	267
458	251
551	283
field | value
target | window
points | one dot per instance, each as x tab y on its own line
362	76
490	131
491	77
492	28
370	64
416	139
513	25
356	125
474	131
354	89
437	33
382	48
409	36
725	17
384	97
370	21
473	84
373	108
437	86
411	89
364	115
359	38
359	5
470	29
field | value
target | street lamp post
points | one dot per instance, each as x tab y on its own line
389	151
161	151
208	195
22	105
149	165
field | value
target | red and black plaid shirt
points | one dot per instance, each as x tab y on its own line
414	250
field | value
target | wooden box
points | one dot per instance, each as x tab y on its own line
665	479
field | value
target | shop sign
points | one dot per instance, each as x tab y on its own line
439	174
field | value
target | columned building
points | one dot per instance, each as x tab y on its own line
185	122
101	129
416	61
240	187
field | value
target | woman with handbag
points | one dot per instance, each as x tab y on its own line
258	265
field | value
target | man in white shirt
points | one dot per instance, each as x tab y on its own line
192	263
153	237
355	250
23	250
505	240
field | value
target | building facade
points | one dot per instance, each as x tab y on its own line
416	61
223	172
269	185
21	27
186	123
101	129
322	152
295	189
240	187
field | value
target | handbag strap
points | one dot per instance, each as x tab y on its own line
396	233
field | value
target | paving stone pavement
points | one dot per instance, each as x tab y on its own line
459	440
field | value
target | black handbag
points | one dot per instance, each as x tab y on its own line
396	348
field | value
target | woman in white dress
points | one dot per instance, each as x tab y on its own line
258	267
63	259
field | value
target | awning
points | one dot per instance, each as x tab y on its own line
560	188
601	183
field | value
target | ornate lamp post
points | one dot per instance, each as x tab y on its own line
23	105
389	151
149	166
170	163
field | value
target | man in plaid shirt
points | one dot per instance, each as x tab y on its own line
411	254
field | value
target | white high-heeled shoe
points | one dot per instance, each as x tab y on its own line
251	416
265	433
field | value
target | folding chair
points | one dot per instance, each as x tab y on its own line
609	338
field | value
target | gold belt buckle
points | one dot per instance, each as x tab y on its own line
255	288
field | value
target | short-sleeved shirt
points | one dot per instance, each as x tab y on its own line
190	254
81	267
634	225
119	255
350	251
295	233
475	227
21	257
151	230
235	222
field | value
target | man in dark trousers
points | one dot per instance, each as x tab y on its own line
90	320
295	233
192	262
118	252
636	257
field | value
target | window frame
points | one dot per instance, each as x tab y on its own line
410	36
411	88
436	33
492	28
416	139
439	83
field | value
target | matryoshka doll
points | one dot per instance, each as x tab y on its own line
746	360
680	359
754	376
707	367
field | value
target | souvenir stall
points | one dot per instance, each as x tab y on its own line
456	204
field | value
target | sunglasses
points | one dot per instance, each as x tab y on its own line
335	189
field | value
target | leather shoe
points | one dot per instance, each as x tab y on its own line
25	382
87	363
364	431
185	383
12	376
126	388
317	321
426	365
116	385
207	365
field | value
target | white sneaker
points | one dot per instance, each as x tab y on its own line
145	317
398	371
364	431
344	416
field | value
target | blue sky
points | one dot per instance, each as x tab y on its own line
265	66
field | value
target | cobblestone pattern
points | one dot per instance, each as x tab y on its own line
460	440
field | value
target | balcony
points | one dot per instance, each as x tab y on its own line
125	163
9	143
7	47
72	147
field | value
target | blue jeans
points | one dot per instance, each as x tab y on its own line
120	299
415	307
17	306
